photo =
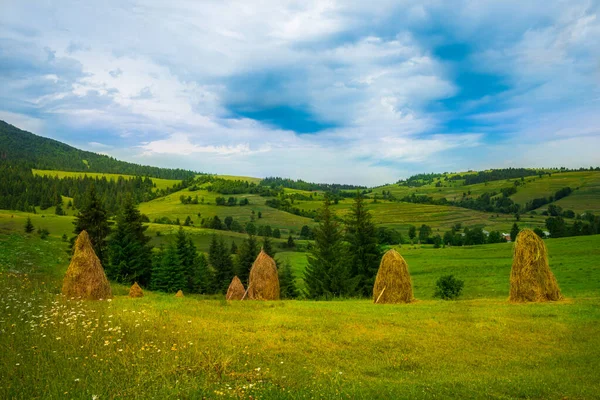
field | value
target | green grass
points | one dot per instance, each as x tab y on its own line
163	347
160	183
171	206
249	179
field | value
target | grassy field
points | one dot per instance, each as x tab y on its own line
163	347
160	183
580	200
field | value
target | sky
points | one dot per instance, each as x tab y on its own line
326	91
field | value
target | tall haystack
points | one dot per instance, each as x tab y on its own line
236	290
179	293
85	277
392	284
264	279
136	291
530	277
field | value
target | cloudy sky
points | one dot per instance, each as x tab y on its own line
330	91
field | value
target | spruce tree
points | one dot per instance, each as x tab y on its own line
364	250
267	246
129	251
247	253
220	259
287	282
169	277
327	274
93	218
514	232
234	248
201	276
290	242
29	226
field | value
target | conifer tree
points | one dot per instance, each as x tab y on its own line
220	259
327	274
234	248
514	232
59	210
247	253
129	251
201	276
290	242
364	250
94	219
29	226
287	282
267	246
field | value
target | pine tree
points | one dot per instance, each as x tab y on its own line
59	210
29	226
94	219
364	250
290	242
327	274
514	232
169	275
267	246
247	253
220	259
234	248
201	275
129	251
287	282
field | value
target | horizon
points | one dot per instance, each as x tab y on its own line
319	91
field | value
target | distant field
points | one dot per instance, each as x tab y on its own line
584	199
160	183
249	179
171	206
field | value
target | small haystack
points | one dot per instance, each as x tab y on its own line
530	276
179	293
136	291
85	277
392	284
264	280
236	290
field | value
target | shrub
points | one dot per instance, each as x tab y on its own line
448	287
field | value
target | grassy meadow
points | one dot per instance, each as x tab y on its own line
160	183
160	346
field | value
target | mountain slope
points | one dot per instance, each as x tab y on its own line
20	146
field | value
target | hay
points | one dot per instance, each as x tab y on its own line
236	290
264	279
392	284
530	276
136	291
85	277
179	293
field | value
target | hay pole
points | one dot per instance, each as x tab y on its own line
246	292
380	294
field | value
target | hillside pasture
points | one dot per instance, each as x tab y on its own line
160	183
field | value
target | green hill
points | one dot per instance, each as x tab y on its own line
20	146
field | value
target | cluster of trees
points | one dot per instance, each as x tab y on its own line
21	190
586	224
232	201
498	175
277	182
419	180
18	146
286	205
226	186
343	260
128	256
540	201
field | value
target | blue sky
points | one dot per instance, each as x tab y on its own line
328	91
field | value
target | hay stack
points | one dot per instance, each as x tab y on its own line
264	280
179	293
85	277
392	284
236	289
530	276
136	291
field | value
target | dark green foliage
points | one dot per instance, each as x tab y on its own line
220	260
424	233
474	236
251	228
276	233
557	227
290	242
364	250
20	146
29	226
287	284
267	246
246	255
514	231
437	241
93	218
275	182
43	233
495	237
448	287
412	232
64	237
129	251
305	232
327	274
539	232
167	274
234	248
388	236
59	210
228	221
188	221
